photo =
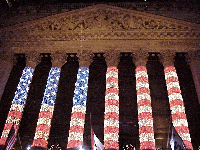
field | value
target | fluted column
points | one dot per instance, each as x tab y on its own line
111	117
194	62
179	119
6	60
145	118
76	131
18	103
47	107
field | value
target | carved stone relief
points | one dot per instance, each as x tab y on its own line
99	22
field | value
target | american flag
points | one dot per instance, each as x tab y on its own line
11	139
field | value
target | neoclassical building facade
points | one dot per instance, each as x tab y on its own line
126	74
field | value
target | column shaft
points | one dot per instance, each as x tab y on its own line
47	108
145	119
76	131
111	117
17	107
177	108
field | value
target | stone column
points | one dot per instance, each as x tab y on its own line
179	119
47	107
111	117
194	62
145	118
76	131
18	103
7	62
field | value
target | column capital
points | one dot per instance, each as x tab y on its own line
112	58
58	59
85	58
167	58
32	59
140	58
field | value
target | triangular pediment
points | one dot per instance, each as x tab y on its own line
104	20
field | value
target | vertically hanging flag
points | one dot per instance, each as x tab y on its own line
176	142
47	108
95	142
11	139
76	131
18	103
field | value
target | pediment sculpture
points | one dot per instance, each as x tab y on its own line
99	18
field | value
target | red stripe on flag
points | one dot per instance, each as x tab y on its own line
146	129
79	115
74	144
144	102
111	144
188	144
112	68
15	114
43	128
8	126
168	69
111	79
174	90
112	115
145	115
112	90
147	145
176	102
45	114
178	115
111	102
78	129
143	90
40	142
110	129
142	79
182	129
171	79
140	68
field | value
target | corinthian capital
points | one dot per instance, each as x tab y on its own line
167	58
140	58
85	58
32	59
58	59
112	58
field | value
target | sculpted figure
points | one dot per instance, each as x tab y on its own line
151	24
55	26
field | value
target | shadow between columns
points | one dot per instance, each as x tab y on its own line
95	99
33	103
128	115
188	91
64	101
159	100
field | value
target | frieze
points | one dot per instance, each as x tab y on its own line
101	21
